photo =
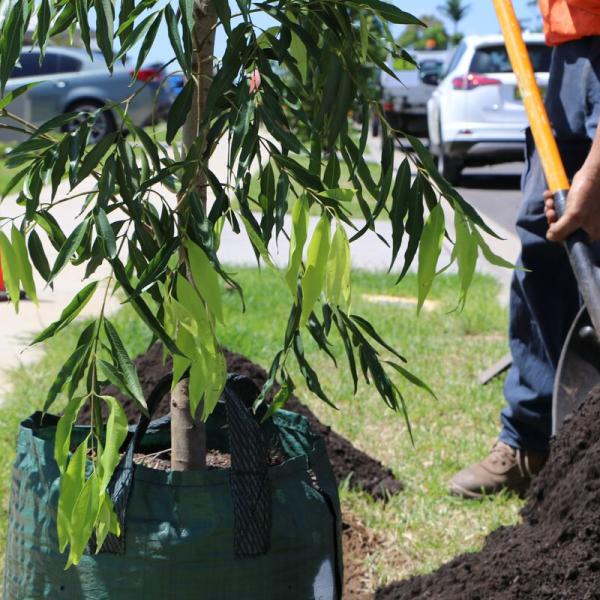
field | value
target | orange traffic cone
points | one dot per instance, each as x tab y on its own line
3	294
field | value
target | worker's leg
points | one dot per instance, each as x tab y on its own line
543	303
544	297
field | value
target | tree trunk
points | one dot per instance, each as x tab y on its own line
188	432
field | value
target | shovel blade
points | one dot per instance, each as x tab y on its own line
578	369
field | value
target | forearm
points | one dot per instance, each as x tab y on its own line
591	166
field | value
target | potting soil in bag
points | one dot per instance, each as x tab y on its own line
249	532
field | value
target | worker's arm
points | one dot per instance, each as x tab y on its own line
583	201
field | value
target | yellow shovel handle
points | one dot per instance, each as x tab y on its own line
532	99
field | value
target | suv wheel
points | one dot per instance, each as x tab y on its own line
449	168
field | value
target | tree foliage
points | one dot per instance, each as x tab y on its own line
163	258
417	37
456	11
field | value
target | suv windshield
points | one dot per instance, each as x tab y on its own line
494	59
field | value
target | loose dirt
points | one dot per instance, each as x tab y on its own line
555	552
365	473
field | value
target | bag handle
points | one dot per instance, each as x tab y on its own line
249	481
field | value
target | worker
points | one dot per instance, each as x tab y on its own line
544	299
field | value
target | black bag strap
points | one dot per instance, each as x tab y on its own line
250	490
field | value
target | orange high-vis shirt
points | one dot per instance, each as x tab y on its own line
566	20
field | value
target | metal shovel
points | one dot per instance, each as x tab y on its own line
579	366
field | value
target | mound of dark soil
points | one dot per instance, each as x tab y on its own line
555	552
365	472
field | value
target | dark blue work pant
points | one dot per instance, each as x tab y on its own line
544	298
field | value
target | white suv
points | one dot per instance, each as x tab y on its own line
475	116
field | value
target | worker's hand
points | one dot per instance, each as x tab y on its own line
582	212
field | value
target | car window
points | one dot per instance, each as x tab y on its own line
30	65
431	66
68	64
458	54
494	59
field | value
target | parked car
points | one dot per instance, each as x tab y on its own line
70	81
405	99
476	115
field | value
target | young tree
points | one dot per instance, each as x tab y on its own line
163	255
456	11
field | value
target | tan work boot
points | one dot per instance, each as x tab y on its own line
504	468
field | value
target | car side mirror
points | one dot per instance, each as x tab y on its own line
430	79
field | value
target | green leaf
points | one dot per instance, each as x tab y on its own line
414	225
82	8
412	378
400	205
316	264
180	110
23	264
104	29
11	41
465	251
105	231
142	308
389	12
338	270
71	484
224	14
10	270
68	370
206	279
83	518
116	433
300	215
489	255
371	331
69	313
125	366
68	249
64	427
147	42
257	242
95	155
175	38
44	16
38	255
106	523
14	94
430	249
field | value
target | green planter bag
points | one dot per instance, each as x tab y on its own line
249	532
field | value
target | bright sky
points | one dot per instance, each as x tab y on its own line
481	19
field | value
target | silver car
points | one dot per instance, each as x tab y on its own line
70	81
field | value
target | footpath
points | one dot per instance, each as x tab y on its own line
368	253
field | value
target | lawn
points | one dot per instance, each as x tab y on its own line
422	526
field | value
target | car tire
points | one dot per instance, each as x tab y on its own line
103	125
449	168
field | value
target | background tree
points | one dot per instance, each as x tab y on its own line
456	11
417	37
162	256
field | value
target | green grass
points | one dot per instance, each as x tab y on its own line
421	527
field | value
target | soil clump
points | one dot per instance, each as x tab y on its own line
555	552
365	472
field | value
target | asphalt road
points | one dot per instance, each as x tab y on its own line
494	192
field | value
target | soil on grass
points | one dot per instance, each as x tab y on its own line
364	473
555	552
